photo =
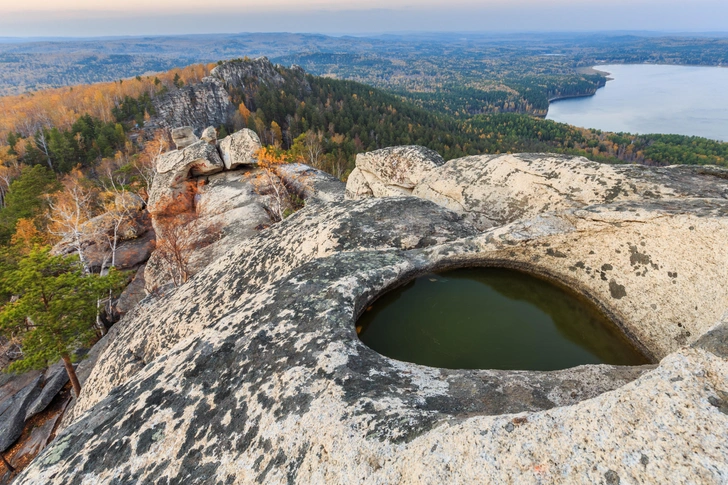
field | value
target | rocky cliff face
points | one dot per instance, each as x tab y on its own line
238	74
252	371
208	102
199	105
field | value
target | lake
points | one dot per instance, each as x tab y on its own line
653	99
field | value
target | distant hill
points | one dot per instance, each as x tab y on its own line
518	72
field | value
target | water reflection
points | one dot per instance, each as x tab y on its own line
491	318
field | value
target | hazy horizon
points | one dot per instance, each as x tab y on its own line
85	18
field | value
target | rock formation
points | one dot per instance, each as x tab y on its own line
391	171
209	135
135	237
13	408
240	148
207	103
252	371
183	137
199	105
239	73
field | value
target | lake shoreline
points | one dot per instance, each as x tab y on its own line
571	96
651	99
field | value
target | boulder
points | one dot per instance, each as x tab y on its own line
175	168
392	171
184	137
240	148
12	413
133	253
209	135
199	158
357	186
55	378
310	183
253	372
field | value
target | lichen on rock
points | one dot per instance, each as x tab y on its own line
252	371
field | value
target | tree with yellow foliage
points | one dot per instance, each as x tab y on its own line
70	211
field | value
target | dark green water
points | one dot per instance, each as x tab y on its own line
491	318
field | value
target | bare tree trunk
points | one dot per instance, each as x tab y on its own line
40	142
99	324
72	375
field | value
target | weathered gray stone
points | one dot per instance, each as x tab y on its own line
252	371
175	168
392	171
197	159
12	413
241	73
209	135
494	190
55	378
357	186
311	183
184	137
240	148
132	294
199	105
715	340
229	208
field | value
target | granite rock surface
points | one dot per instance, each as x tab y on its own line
391	171
252	371
239	148
183	137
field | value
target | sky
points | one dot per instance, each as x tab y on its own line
87	18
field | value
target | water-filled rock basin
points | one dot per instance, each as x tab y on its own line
492	318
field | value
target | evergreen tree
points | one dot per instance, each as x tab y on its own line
55	309
25	198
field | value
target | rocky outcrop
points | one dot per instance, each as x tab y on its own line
207	103
240	148
12	413
207	212
175	168
135	237
201	211
227	210
183	137
493	190
252	371
391	171
209	135
198	106
240	73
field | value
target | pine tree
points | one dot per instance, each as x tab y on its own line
54	311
